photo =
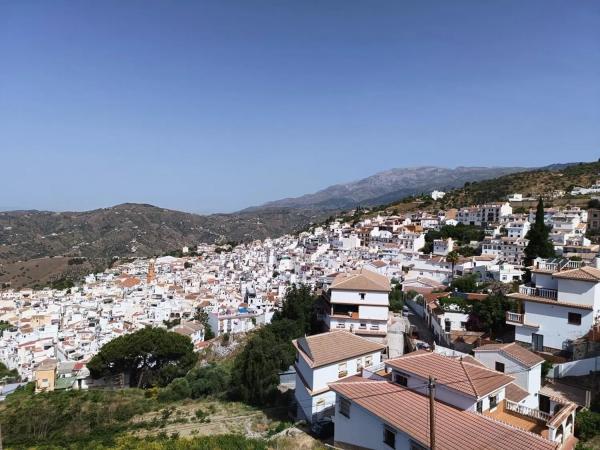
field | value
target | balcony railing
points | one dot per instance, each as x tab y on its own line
525	411
551	294
554	267
514	317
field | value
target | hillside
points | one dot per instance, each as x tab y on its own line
133	229
388	186
535	183
543	182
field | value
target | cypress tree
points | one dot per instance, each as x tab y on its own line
539	245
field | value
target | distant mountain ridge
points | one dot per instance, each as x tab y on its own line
132	229
388	186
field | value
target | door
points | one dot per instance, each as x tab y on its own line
544	403
537	342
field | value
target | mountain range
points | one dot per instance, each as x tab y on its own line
388	186
131	229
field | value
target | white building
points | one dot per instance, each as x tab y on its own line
441	247
324	358
436	195
524	365
483	214
358	302
472	408
561	304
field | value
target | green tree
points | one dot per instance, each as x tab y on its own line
466	283
255	374
452	258
202	317
539	245
489	315
396	299
151	356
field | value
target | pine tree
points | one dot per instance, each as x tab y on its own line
539	245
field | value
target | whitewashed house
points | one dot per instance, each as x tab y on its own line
324	358
561	304
358	302
523	364
472	409
441	247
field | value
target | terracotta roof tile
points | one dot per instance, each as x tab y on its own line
361	280
515	393
408	411
514	351
328	348
585	273
457	374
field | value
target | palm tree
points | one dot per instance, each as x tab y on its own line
452	257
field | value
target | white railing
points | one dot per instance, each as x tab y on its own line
525	411
543	265
551	294
514	317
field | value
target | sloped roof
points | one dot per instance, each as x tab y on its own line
457	374
584	273
513	351
361	280
515	393
327	348
408	411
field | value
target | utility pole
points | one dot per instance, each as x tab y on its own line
431	387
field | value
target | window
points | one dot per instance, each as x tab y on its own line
344	407
574	319
480	406
359	364
389	436
493	401
342	370
500	366
368	361
448	326
362	295
463	325
400	379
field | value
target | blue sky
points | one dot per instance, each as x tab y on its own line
217	105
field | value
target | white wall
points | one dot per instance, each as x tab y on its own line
553	324
373	312
544	280
365	430
319	378
528	379
580	292
575	368
353	297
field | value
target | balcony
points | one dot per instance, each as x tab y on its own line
515	317
558	266
525	411
550	294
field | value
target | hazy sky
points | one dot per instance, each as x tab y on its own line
217	105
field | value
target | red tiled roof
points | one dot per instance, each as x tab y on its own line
328	348
514	351
515	393
585	273
361	280
408	411
457	374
